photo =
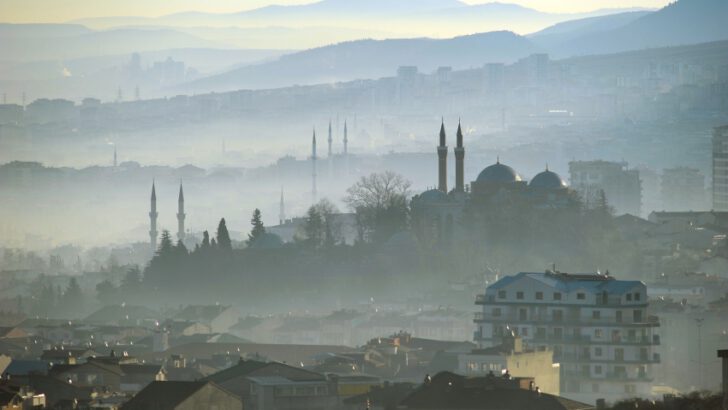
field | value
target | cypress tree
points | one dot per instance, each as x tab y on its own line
258	229
223	237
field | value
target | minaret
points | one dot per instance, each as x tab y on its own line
282	211
313	168
181	214
346	139
442	161
346	148
459	162
329	158
153	220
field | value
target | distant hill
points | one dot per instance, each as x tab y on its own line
33	42
401	18
680	23
558	34
366	59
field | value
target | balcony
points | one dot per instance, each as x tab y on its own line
481	299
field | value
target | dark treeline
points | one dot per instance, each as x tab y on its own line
390	253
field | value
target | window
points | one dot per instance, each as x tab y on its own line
629	297
524	331
619	316
496	312
580	296
598	369
519	295
557	295
558	315
501	294
637	316
598	333
598	351
596	314
619	354
558	333
637	296
522	314
541	332
539	295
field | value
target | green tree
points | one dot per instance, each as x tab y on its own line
165	245
257	229
132	281
223	237
313	228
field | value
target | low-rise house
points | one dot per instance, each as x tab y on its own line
220	318
449	391
512	357
256	381
179	395
116	374
63	355
123	315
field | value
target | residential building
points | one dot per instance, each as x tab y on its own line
162	395
620	184
451	391
683	189
513	357
720	168
596	325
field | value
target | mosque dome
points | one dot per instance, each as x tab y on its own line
547	180
433	195
498	174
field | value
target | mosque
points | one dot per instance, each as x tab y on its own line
497	193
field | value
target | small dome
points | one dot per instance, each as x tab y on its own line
547	180
433	195
498	174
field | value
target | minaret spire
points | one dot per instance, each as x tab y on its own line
346	148
153	219
442	160
282	211
330	158
459	161
314	194
181	214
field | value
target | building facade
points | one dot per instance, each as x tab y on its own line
720	168
620	184
596	325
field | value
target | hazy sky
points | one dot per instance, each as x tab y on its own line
64	10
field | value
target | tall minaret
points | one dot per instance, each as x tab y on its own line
282	210
442	161
329	158
346	139
314	194
153	220
460	162
181	214
346	148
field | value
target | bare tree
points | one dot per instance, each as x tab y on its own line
380	202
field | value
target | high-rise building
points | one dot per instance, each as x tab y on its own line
620	184
683	189
596	325
720	168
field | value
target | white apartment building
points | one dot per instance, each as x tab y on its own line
595	324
